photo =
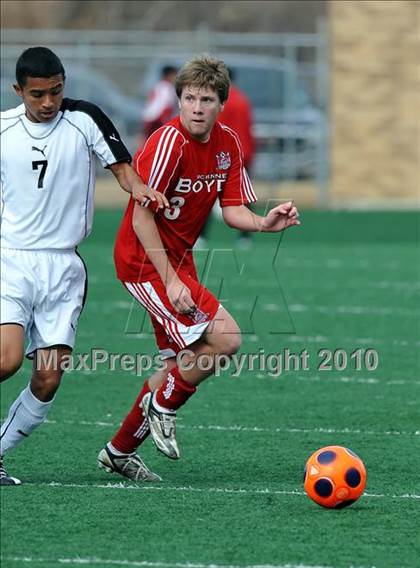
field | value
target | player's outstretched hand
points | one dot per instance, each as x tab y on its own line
142	193
281	217
129	181
180	297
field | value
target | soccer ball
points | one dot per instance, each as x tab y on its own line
334	477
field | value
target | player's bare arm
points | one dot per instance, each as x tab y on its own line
277	219
129	181
147	232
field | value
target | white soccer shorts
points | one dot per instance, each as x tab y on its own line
44	291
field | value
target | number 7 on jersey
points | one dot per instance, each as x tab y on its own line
35	166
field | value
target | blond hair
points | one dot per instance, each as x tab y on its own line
204	71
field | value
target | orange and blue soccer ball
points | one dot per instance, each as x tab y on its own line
334	477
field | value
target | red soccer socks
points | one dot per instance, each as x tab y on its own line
135	427
173	393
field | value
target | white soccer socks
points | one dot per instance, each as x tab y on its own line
25	414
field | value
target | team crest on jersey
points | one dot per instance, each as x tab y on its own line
223	160
199	317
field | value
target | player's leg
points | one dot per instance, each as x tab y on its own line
172	335
119	454
12	338
31	407
178	384
174	332
16	314
11	357
209	330
135	428
16	294
222	337
58	281
47	371
58	294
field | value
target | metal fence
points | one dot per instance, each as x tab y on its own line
285	75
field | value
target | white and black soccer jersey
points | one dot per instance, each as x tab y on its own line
47	174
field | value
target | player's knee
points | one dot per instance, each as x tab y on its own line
226	336
232	343
45	383
10	362
227	343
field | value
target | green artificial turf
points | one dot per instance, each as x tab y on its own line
344	281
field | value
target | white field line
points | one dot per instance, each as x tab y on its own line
352	310
339	263
191	489
247	429
357	341
358	285
352	285
295	308
148	564
349	284
346	379
354	342
361	284
292	375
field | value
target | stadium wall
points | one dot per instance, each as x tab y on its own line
375	102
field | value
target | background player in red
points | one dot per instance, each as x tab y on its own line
237	114
193	160
161	104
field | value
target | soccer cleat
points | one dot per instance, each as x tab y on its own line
128	465
162	428
5	479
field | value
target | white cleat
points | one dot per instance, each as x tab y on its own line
162	428
5	478
128	465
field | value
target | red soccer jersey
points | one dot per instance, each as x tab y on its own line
192	175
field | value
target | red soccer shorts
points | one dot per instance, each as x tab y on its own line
175	331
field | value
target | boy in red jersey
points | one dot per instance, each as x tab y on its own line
193	160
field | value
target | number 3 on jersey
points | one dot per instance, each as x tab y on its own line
43	165
175	210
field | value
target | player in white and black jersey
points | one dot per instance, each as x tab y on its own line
47	177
